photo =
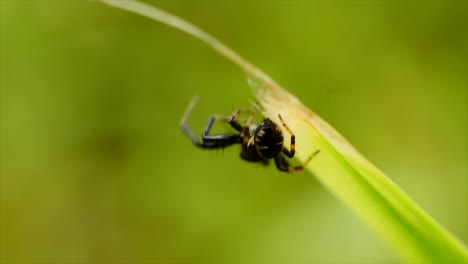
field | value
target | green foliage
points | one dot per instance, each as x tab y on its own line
352	178
363	187
93	166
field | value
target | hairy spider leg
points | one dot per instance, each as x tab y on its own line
183	123
283	165
210	141
281	162
290	153
246	128
189	110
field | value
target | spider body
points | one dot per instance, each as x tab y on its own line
260	143
268	139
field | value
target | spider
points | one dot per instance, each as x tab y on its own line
260	143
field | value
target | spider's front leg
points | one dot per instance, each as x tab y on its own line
209	141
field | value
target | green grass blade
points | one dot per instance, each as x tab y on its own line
414	235
361	186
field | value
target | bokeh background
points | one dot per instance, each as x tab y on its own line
95	169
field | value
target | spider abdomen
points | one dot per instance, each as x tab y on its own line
268	139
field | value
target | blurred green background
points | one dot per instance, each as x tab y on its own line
95	169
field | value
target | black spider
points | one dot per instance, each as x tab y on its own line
265	143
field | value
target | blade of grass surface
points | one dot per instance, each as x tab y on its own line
345	172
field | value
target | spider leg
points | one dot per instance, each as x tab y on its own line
232	118
283	165
246	128
212	141
280	160
217	141
290	153
208	141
